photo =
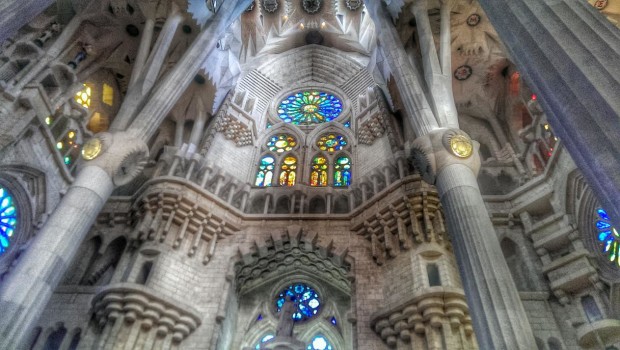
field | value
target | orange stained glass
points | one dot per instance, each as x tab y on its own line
288	171
318	174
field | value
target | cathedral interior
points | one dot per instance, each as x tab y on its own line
310	174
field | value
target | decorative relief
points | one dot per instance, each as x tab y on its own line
173	214
311	6
353	4
600	4
463	72
293	250
401	222
270	5
371	129
437	308
473	20
140	308
234	130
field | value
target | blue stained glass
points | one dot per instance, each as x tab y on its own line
319	343
333	321
347	124
309	107
8	219
608	236
264	339
602	225
305	298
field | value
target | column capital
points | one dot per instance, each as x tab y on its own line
121	155
441	148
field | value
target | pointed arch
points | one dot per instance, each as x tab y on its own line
288	170
265	171
342	170
318	171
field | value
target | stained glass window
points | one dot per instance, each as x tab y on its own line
347	124
305	298
288	171
319	342
342	171
309	107
83	96
608	236
331	142
8	219
264	339
281	143
265	171
318	175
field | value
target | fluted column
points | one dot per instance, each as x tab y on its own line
570	56
500	321
498	316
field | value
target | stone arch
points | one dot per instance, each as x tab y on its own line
86	256
326	128
283	258
581	204
513	257
100	270
283	205
281	128
317	205
341	205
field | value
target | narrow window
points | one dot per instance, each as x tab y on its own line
433	275
318	174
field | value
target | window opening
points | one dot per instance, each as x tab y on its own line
305	298
309	107
265	171
318	175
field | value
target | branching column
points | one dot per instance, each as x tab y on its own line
448	158
118	158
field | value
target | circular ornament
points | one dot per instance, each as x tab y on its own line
463	72
311	6
608	236
309	107
130	167
270	5
92	148
600	4
461	146
353	4
473	20
306	300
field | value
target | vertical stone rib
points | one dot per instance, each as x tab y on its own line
500	320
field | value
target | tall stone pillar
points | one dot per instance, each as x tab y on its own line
448	158
569	54
118	159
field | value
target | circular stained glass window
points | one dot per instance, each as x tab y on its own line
608	236
309	107
281	143
331	142
8	219
319	343
305	298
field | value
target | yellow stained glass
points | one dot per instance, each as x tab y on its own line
83	96
318	174
288	171
108	95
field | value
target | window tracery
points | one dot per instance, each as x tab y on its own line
608	236
8	219
288	171
331	142
309	108
319	342
342	171
305	298
318	174
281	143
264	175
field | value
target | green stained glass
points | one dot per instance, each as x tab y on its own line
309	107
342	171
265	171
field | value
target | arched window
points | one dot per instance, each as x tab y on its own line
305	298
265	171
342	171
319	342
608	236
318	174
434	279
288	171
593	313
265	338
8	219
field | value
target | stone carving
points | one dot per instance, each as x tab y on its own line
463	72
473	20
234	130
270	5
286	323
353	4
311	6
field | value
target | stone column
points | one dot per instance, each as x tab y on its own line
569	54
498	315
26	291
